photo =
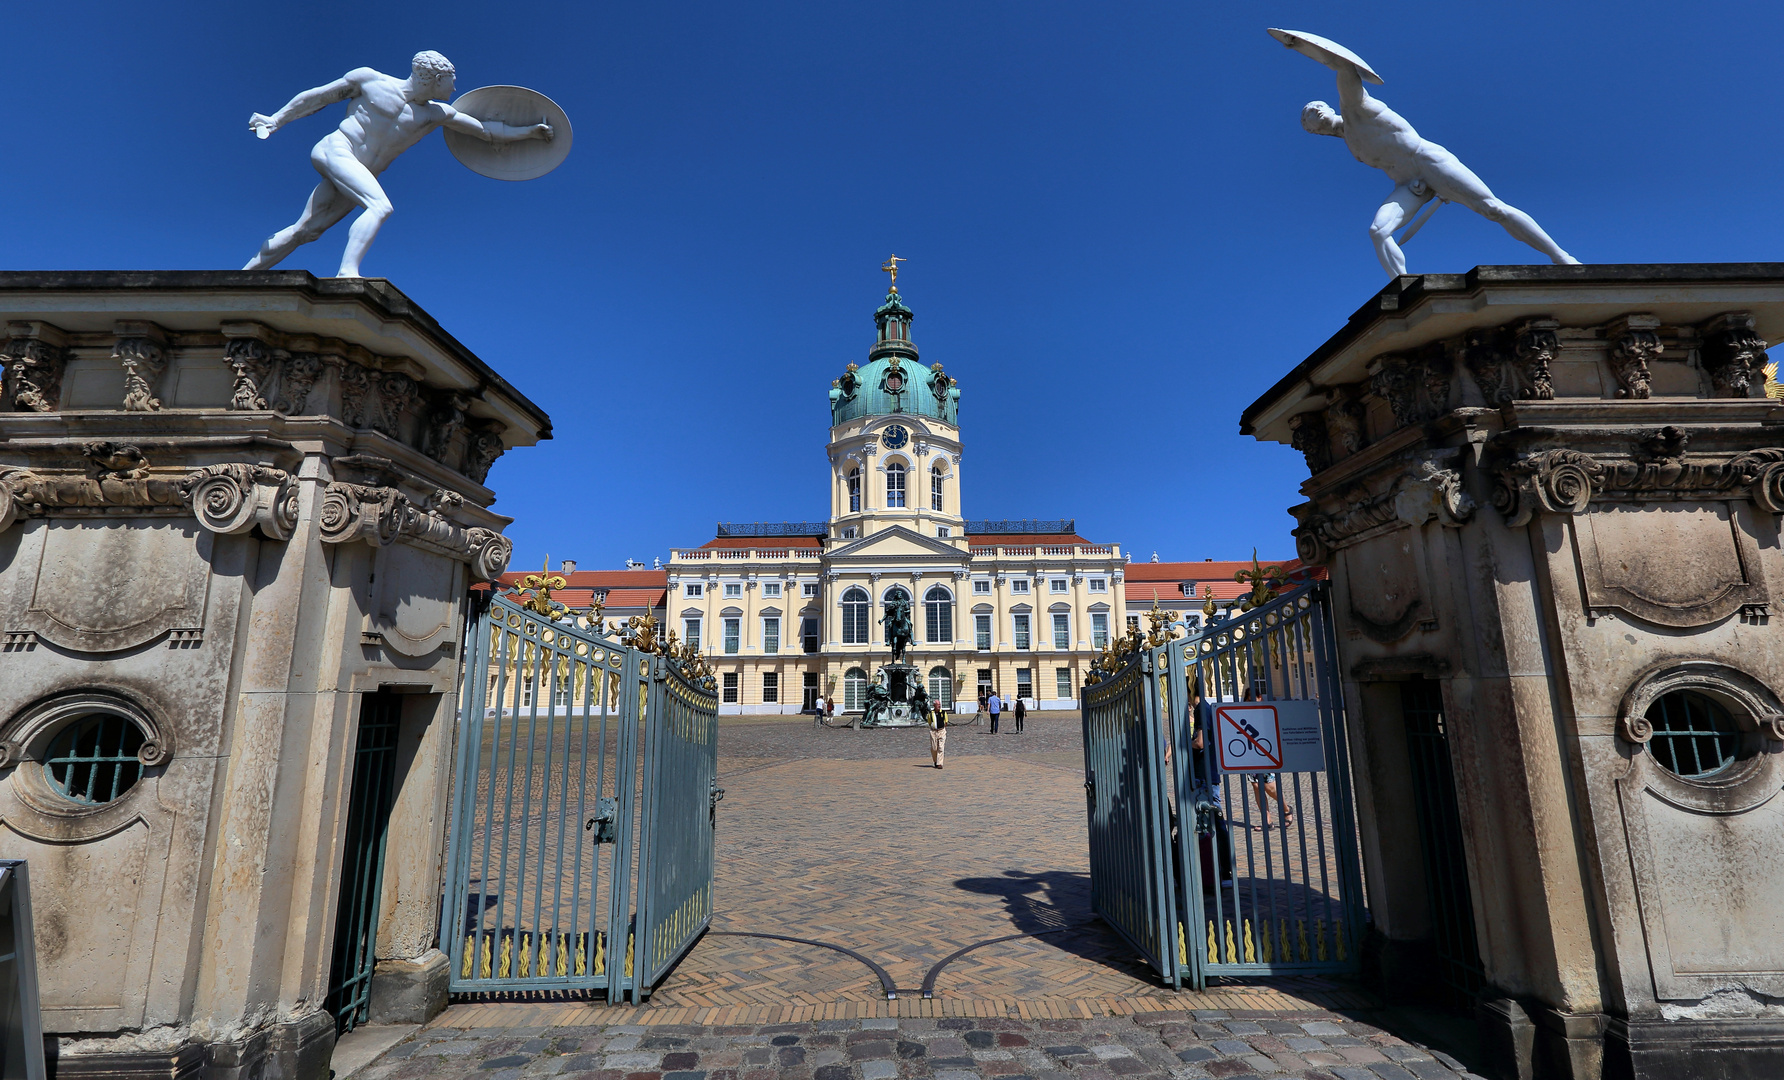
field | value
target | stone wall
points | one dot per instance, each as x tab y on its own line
231	505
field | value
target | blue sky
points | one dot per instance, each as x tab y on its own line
1118	233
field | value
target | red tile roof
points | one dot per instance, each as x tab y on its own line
763	543
1142	579
630	589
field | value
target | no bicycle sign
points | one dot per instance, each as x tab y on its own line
1273	736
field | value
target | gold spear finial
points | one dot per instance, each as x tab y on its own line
891	267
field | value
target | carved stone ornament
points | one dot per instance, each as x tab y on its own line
1488	354
251	361
1344	417
397	394
1426	490
381	515
1308	435
33	380
356	392
301	373
117	461
1566	481
1635	343
1416	388
235	497
443	426
1732	353
1537	346
484	447
144	361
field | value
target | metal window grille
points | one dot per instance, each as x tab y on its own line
730	687
93	760
1062	679
771	688
895	485
1099	630
1062	632
982	631
941	687
1693	734
854	617
733	631
771	635
939	609
1021	628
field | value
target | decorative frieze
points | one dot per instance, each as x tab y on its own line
1566	481
1732	353
1424	490
383	515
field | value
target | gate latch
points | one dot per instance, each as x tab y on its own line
1090	788
602	823
717	795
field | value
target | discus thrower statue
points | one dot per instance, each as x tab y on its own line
506	132
1421	169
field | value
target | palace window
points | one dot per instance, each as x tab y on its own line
1133	622
982	632
694	590
854	491
854	690
1019	586
690	632
1063	683
984	682
771	634
850	532
938	607
1189	588
733	632
1058	585
770	588
895	485
1062	631
771	688
981	588
941	687
1099	629
526	692
809	692
1694	735
728	683
1025	682
944	531
854	616
808	633
935	489
733	590
809	589
1098	584
95	759
1020	623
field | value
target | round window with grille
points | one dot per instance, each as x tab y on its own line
95	758
1694	734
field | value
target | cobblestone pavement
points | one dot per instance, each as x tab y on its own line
1178	1044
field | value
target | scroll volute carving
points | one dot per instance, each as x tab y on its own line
1732	353
1634	345
35	355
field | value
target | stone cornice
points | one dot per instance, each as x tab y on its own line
1567	481
1424	488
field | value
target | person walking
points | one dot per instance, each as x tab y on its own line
995	705
938	733
1021	711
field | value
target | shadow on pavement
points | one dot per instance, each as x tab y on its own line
1054	900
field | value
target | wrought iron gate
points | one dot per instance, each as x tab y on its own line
1253	889
571	734
362	860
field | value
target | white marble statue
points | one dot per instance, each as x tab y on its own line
1421	170
388	115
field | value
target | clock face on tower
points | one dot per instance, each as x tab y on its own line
894	437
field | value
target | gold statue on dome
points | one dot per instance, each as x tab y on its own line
891	267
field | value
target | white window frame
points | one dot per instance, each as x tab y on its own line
728	684
1023	691
694	590
1189	588
1099	629
854	482
1062	626
771	688
944	531
1019	586
1062	683
690	632
1021	631
937	481
771	633
895	499
982	587
1059	586
866	627
808	589
733	590
1098	584
732	627
854	689
771	590
982	633
946	634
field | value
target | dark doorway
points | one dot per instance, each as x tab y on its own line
1440	837
362	860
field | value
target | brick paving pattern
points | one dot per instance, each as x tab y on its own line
1178	1044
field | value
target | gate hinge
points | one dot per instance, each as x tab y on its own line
602	824
717	795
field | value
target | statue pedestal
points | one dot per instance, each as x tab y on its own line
903	694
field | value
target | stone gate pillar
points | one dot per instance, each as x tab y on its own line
233	507
1549	498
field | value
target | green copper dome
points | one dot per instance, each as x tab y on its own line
894	381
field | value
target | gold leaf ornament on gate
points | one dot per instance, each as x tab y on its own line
536	591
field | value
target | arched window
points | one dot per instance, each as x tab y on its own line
941	687
854	616
894	485
855	491
935	489
854	690
938	607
